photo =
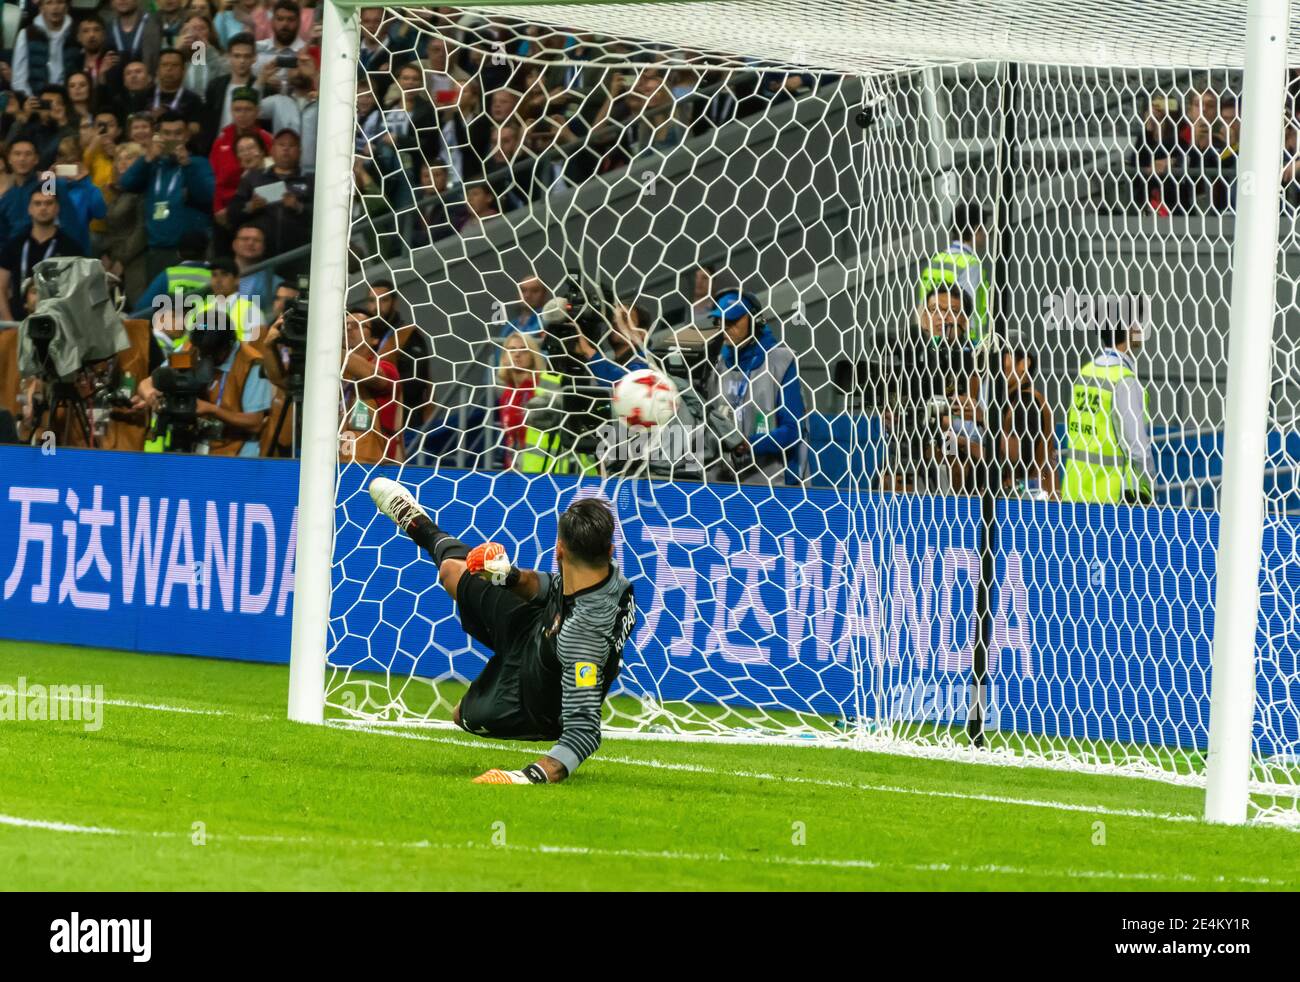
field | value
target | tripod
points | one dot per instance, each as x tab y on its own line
293	404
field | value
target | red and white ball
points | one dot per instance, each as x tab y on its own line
645	398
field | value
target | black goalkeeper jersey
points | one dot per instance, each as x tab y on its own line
576	652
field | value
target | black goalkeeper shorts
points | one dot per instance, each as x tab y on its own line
494	704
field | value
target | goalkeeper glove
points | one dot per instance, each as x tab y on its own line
532	774
490	560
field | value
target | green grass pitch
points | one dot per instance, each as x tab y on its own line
197	781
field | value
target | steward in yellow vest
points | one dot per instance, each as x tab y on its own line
959	265
1108	428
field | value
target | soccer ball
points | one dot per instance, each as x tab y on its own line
645	398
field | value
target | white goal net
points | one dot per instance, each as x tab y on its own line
949	339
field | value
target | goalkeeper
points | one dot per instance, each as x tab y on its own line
557	638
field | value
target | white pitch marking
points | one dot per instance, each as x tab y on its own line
666	855
380	729
819	782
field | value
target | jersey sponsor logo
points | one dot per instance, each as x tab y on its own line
584	674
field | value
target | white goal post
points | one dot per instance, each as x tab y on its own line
1091	68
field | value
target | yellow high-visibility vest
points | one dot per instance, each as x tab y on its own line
1097	467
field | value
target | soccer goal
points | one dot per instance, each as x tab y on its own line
1021	289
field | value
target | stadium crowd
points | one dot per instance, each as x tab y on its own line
1184	161
176	144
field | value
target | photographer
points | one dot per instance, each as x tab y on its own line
935	423
567	404
232	396
757	379
625	342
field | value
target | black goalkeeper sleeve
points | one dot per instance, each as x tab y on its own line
437	543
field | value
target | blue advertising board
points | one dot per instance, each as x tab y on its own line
825	600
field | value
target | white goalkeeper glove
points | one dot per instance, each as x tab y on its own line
490	560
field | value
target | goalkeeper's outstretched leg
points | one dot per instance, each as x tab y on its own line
556	638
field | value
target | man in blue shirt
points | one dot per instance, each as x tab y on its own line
177	188
26	179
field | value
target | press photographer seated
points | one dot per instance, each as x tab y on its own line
212	396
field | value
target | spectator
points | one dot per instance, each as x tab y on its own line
190	276
1291	163
204	62
511	170
177	188
933	371
96	59
1229	126
84	201
44	120
137	92
411	123
399	340
249	17
239	57
257	285
516	382
369	413
296	109
702	289
141	128
1155	187
370	119
310	28
227	170
43	240
277	53
24	182
285	221
480	205
533	295
1204	185
170	93
434	199
99	154
44	50
1028	432
171	17
959	265
123	247
251	154
758	379
134	34
1109	458
81	97
372	53
483	132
